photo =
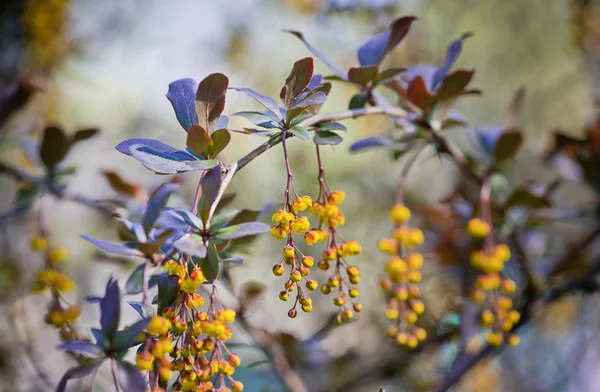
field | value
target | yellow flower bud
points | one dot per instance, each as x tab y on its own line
399	214
478	228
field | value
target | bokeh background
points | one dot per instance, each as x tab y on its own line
107	64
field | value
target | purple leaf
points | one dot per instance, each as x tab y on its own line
110	309
130	337
318	54
112	247
130	379
242	230
376	48
296	82
78	372
98	336
222	122
315	81
233	259
81	347
488	135
158	163
187	217
318	98
191	244
453	51
267	102
156	147
93	299
181	94
155	205
143	309
370	142
258	118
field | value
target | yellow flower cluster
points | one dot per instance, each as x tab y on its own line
403	273
201	337
491	290
59	317
53	280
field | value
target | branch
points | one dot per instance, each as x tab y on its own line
316	119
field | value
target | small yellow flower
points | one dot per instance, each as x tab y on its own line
337	197
308	261
288	252
502	252
237	386
162	348
283	218
301	225
58	255
478	228
301	204
39	244
388	245
158	326
278	232
414	260
195	301
144	361
399	214
395	267
514	340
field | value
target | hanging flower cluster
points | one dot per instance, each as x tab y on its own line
60	313
403	272
492	290
193	339
289	222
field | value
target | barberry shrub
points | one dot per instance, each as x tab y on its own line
181	340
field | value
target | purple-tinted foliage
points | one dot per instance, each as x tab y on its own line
130	379
181	94
488	135
187	217
211	185
82	347
452	54
114	248
191	245
130	337
242	230
315	81
157	202
78	372
110	309
155	147
267	102
426	71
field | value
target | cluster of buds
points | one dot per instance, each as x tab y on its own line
189	340
403	273
51	279
492	291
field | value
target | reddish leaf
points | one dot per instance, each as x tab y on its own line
199	141
454	84
298	79
508	145
398	30
210	100
417	92
120	185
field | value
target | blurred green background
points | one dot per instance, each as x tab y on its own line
107	64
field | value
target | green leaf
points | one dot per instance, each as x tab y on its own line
358	100
508	145
242	230
363	75
450	322
220	138
222	219
210	264
387	74
301	132
54	147
524	198
168	289
327	137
